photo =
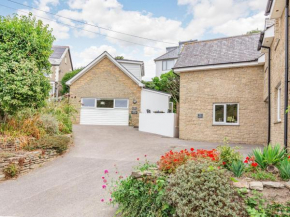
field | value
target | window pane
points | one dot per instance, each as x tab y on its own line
121	103
105	103
219	113
163	65
232	113
88	102
170	64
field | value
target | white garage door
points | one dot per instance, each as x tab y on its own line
97	111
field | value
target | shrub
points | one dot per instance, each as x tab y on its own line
66	77
172	160
56	142
49	123
284	169
141	198
277	209
238	168
263	175
199	188
228	154
271	155
11	170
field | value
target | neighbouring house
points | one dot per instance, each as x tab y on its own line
165	62
61	63
109	91
222	90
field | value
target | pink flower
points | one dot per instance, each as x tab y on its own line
116	172
110	199
104	180
103	177
102	200
106	171
138	158
145	155
104	186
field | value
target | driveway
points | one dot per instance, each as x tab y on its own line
70	186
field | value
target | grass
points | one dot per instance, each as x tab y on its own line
263	175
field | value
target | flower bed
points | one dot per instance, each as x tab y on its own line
201	182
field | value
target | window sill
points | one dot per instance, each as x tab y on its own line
278	122
225	124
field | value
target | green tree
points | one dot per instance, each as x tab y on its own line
119	57
66	77
25	47
168	82
254	31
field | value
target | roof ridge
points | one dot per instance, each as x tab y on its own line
222	38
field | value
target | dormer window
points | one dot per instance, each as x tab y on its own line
167	65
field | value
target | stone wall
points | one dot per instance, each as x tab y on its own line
199	90
25	161
106	80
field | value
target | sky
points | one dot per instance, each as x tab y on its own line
138	29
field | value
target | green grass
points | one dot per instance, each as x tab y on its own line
263	175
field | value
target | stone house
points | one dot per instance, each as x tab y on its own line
109	91
221	90
61	63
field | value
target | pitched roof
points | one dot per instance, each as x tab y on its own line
172	54
96	61
58	54
235	49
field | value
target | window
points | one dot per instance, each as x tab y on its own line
279	103
226	114
88	102
105	103
121	103
167	65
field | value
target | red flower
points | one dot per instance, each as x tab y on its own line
137	158
224	163
246	161
192	149
254	164
175	160
247	158
289	157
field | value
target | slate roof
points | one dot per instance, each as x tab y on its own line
55	57
173	54
219	51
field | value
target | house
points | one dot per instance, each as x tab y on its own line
272	43
109	91
61	64
222	90
165	62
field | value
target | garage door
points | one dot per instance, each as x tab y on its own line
97	111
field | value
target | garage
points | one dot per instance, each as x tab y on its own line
100	111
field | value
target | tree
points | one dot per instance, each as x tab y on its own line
66	77
119	57
168	82
254	31
25	47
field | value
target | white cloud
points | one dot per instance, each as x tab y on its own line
87	55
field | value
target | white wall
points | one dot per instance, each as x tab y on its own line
164	124
158	65
154	101
135	69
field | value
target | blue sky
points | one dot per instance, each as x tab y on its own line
161	20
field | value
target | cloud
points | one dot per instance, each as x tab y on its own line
84	57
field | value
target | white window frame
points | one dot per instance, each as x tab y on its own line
279	90
167	64
89	107
225	114
52	84
95	105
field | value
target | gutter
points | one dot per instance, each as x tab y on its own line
269	93
286	74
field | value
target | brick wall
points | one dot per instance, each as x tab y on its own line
201	89
106	80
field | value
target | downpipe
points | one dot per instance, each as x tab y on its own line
286	74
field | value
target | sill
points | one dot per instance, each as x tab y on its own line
277	122
225	124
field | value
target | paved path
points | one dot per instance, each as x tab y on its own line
70	186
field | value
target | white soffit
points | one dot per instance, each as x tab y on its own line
277	9
261	59
269	36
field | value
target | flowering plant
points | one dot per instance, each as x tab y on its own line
171	160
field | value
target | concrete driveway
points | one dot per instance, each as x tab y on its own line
70	186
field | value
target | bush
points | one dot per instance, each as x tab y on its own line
271	155
172	160
284	169
263	175
11	170
141	198
199	188
66	77
238	168
49	123
57	142
228	154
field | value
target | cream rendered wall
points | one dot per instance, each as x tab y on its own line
159	70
